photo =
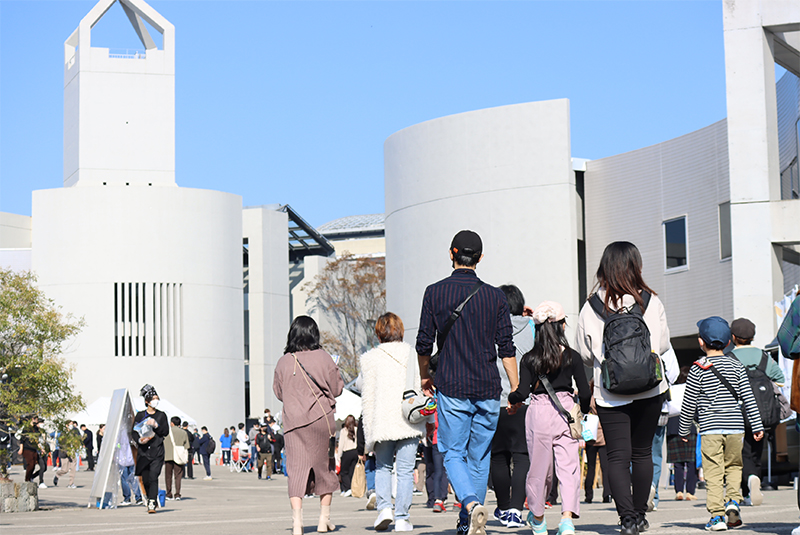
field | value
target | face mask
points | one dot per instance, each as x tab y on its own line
154	403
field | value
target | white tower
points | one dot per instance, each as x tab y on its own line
156	272
119	107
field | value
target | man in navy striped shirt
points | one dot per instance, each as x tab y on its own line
467	379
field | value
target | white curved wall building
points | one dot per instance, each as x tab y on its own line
505	173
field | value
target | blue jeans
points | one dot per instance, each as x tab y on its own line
128	481
466	430
406	451
369	470
658	457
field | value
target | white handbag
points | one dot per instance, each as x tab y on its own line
180	455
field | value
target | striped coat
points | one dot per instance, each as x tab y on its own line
713	406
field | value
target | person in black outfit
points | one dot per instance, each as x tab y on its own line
28	449
100	431
190	465
151	449
88	444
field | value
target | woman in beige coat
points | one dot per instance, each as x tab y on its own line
307	381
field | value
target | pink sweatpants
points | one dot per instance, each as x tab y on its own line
547	433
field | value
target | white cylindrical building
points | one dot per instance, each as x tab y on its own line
505	173
156	273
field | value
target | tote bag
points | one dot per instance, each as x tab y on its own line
358	485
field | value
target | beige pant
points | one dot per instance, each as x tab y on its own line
722	467
67	466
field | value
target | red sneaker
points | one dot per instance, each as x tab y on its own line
438	507
548	505
457	504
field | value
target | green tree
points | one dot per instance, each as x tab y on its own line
36	379
351	294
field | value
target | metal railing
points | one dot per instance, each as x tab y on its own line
126	53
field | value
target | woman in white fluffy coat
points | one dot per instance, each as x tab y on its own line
386	431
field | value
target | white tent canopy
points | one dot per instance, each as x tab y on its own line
97	413
348	403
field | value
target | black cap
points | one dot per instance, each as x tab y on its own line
743	329
467	243
148	392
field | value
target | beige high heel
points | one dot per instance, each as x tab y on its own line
325	524
297	521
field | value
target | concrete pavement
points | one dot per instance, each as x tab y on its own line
240	503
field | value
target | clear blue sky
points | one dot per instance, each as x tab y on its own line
291	102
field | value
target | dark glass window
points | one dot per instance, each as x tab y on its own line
725	248
675	240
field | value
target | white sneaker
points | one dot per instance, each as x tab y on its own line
123	503
207	478
372	501
796	531
403	525
385	517
651	506
73	486
346	493
754	483
42	486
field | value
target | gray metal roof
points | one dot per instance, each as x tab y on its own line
371	224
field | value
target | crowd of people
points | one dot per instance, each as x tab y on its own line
509	386
505	386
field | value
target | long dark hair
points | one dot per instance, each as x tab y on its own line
620	273
350	425
548	352
303	335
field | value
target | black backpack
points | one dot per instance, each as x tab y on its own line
630	366
768	405
211	445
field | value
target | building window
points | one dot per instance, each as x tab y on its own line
675	243
148	319
725	248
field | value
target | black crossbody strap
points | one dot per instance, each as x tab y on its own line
725	382
763	364
311	377
455	315
550	392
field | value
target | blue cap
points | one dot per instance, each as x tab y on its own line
714	329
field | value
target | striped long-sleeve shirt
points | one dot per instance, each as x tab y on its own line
467	362
712	404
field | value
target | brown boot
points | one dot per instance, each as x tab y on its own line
325	524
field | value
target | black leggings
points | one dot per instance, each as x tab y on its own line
150	470
509	485
629	431
751	459
591	463
349	459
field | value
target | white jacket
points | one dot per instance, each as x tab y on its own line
383	371
589	343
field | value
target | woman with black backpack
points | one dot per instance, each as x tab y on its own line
622	332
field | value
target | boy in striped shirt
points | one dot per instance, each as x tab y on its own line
717	391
